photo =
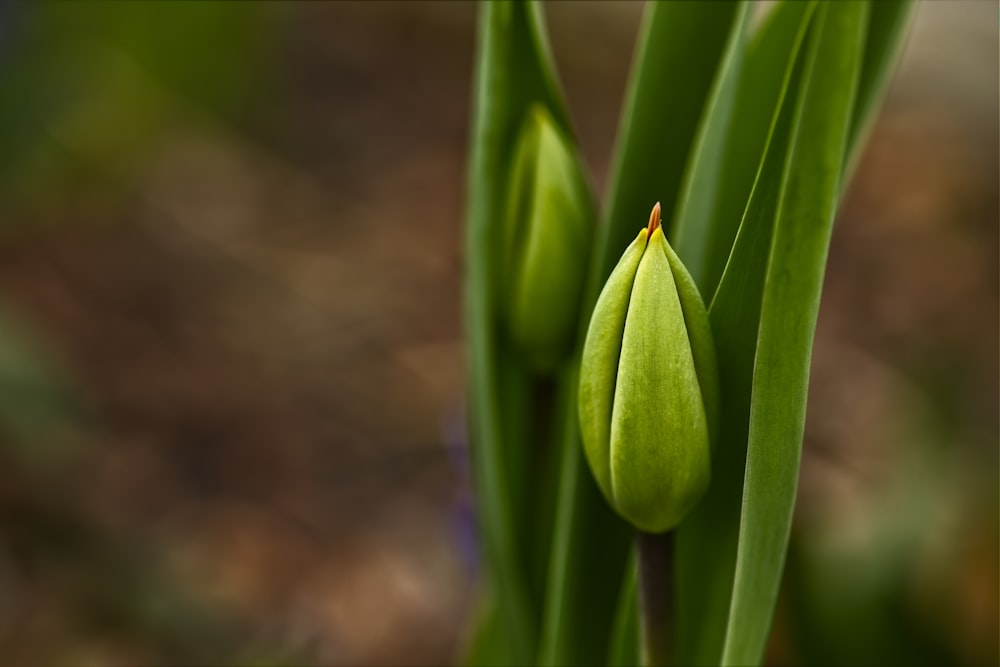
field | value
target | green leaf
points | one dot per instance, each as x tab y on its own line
818	143
724	170
589	548
707	541
624	650
486	645
514	71
679	53
700	192
675	65
882	49
90	87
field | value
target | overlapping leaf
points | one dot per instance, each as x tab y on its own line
748	144
513	72
679	51
707	542
818	141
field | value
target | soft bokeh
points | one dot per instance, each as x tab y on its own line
231	358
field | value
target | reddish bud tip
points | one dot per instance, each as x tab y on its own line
654	219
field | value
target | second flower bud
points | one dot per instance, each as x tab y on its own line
546	245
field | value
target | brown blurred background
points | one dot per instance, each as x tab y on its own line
231	373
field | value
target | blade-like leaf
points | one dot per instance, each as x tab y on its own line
762	75
675	64
624	650
882	48
707	541
589	548
678	55
486	645
700	191
514	70
807	205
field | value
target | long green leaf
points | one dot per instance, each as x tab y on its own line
486	645
680	42
886	28
588	552
514	70
818	143
707	541
700	192
678	55
762	75
624	650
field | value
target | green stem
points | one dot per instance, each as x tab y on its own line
656	596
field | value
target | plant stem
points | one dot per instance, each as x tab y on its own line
656	596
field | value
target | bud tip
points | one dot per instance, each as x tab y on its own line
654	219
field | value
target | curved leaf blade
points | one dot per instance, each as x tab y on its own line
761	83
707	541
679	52
807	205
624	650
883	45
513	71
589	548
703	178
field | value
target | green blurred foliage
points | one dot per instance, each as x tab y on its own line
40	410
893	580
91	90
91	86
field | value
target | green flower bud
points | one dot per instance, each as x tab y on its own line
649	386
546	243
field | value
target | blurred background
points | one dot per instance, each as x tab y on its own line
231	356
